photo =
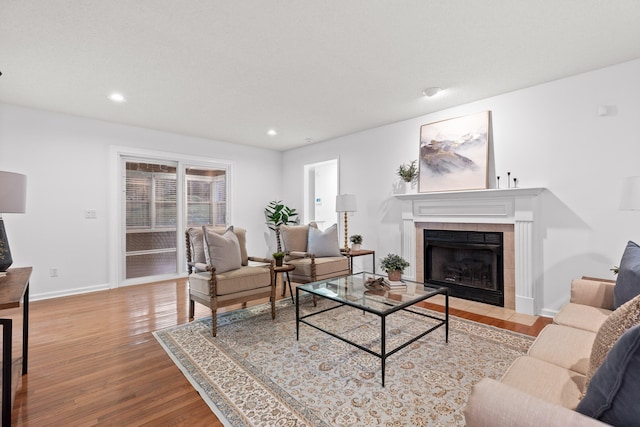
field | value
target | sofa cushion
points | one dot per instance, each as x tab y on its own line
564	346
546	381
323	243
241	234
593	292
582	316
494	404
325	268
612	395
196	240
294	237
628	280
242	280
625	317
222	251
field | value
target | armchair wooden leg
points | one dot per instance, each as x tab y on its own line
214	317
192	309
272	299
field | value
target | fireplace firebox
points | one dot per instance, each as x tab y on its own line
469	263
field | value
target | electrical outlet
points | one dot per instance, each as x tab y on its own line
90	214
53	272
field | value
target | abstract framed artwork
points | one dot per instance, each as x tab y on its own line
454	154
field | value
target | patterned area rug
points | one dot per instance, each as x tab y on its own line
255	373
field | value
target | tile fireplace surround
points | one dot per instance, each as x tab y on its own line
511	211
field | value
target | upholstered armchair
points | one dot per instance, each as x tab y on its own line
220	273
315	254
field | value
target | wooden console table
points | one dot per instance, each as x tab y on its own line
14	288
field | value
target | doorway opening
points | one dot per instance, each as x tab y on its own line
320	191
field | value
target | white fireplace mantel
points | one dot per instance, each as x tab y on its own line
517	206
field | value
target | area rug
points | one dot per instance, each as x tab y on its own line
255	373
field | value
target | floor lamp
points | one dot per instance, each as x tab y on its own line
346	203
13	194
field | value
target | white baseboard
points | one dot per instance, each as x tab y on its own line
545	312
525	305
67	292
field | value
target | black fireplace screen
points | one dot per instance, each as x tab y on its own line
468	262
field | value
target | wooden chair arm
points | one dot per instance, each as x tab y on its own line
271	262
297	254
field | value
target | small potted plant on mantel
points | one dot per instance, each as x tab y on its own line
394	265
278	256
408	173
356	241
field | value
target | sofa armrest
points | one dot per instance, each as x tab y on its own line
297	254
199	267
494	404
261	259
593	292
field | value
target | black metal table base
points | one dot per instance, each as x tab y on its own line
383	354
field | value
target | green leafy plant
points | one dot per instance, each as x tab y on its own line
393	262
408	172
278	214
278	255
356	239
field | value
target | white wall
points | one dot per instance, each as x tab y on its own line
66	160
547	136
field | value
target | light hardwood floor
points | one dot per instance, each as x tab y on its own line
93	360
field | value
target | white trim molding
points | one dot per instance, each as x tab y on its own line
517	206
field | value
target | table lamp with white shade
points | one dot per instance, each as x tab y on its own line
13	195
346	203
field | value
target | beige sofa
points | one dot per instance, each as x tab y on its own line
544	387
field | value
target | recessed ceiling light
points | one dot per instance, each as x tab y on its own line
431	91
272	132
117	97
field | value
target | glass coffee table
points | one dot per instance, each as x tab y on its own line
366	292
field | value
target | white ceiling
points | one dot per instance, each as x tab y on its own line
232	69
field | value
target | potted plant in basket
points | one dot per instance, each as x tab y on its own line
356	241
278	256
394	265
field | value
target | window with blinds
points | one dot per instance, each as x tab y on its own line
165	202
151	217
206	197
138	196
151	205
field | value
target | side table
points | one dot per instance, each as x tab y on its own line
14	287
360	252
285	268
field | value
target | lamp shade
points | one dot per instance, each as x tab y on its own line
13	192
630	198
346	203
